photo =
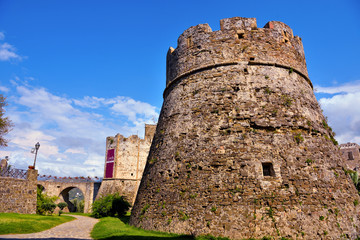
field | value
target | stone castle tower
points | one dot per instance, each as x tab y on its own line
125	162
242	148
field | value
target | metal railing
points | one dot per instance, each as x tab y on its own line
13	173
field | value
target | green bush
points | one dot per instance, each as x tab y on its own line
111	205
45	205
62	205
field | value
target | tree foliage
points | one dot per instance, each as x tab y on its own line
45	204
111	205
5	123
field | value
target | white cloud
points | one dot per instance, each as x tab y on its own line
131	108
7	52
343	111
75	150
89	102
4	89
2	36
350	87
71	132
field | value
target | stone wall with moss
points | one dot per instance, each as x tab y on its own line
242	149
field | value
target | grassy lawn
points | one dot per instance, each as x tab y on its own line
114	228
110	228
29	223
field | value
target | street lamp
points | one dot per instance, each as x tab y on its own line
37	146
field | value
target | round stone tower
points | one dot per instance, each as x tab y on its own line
241	148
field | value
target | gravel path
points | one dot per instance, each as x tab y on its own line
76	229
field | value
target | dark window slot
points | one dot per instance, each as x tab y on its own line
268	169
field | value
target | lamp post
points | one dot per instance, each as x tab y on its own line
37	146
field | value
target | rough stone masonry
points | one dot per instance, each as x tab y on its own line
124	164
241	148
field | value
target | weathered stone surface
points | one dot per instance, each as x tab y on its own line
18	195
241	147
61	189
130	156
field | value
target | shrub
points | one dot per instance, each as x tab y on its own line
111	205
44	203
61	205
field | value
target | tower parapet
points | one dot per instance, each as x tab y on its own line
238	41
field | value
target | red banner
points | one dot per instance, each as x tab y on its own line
109	164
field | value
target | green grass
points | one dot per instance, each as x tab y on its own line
110	228
114	228
29	223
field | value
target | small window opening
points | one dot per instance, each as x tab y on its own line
189	42
350	156
240	35
245	70
286	40
252	58
268	169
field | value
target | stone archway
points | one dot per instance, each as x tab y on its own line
67	195
59	188
41	187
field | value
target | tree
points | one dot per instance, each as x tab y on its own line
5	123
45	205
111	205
61	205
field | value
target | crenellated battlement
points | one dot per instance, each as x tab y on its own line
238	41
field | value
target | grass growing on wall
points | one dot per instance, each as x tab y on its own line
29	223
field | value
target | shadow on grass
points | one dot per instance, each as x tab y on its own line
125	219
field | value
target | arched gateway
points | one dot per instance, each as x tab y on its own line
61	190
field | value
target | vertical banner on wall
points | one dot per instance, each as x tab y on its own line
109	163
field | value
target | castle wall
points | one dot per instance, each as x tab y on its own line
351	155
130	156
61	190
241	148
19	195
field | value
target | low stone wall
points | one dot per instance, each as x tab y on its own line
19	195
125	187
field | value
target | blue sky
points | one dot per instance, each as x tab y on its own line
75	72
